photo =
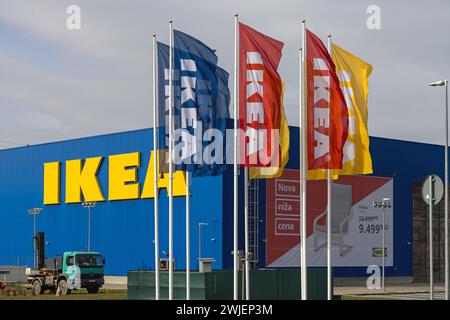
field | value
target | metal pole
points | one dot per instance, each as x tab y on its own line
235	165
89	228
300	137
155	173
188	239
431	237
243	279
329	275
446	194
34	240
247	245
304	172
329	181
384	248
170	161
199	241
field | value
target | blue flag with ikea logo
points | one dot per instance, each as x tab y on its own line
201	100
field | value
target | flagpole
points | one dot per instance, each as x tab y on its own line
304	172
247	253
155	173
170	160
329	182
329	277
235	165
188	235
300	137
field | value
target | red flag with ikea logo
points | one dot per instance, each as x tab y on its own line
327	115
265	146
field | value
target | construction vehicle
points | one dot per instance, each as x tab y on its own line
71	271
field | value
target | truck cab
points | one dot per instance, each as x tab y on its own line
71	271
83	270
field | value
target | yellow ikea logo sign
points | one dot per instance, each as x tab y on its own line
379	252
82	181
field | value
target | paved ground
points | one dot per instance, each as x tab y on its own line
115	288
409	291
104	294
115	283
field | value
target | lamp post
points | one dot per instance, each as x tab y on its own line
386	203
444	83
89	205
34	212
200	225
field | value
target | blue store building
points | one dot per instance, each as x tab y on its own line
123	230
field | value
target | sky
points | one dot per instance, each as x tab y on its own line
58	84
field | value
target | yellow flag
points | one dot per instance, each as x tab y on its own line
353	74
275	172
321	174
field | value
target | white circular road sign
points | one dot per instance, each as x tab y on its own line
432	188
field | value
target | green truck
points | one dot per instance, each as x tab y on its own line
71	271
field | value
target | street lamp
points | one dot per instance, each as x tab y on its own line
444	83
200	225
89	205
386	203
34	212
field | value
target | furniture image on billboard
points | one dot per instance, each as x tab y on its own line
341	212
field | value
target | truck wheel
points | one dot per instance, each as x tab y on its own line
92	289
63	289
36	287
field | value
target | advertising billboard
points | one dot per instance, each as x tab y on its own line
356	225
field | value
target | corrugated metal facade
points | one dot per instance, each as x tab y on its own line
123	230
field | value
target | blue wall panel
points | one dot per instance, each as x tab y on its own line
122	230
